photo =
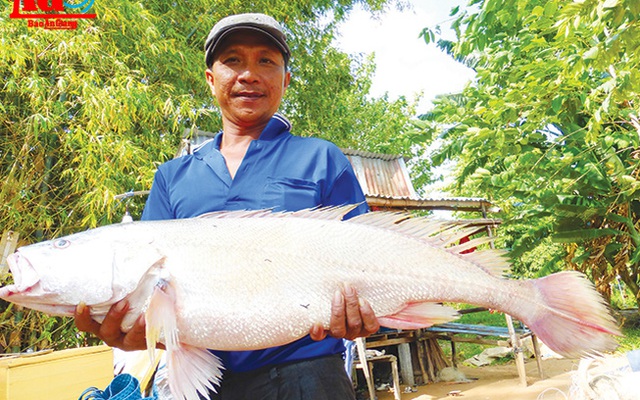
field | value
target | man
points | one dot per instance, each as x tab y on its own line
256	163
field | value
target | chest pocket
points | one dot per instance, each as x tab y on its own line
290	194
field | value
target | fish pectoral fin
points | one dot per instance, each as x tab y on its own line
160	317
143	291
190	370
419	315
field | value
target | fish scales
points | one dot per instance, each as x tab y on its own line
250	280
285	265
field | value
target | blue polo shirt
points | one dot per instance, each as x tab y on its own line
280	171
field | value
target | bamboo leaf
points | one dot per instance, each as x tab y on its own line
580	235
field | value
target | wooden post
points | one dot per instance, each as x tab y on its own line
421	353
536	351
362	359
406	366
516	345
435	358
8	245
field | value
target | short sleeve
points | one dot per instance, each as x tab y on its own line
158	206
346	190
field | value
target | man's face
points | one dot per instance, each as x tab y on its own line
248	78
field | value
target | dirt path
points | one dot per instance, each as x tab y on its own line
500	382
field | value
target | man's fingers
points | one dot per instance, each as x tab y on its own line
83	319
369	319
110	330
337	325
351	317
135	338
352	305
317	332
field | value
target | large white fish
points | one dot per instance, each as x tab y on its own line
251	280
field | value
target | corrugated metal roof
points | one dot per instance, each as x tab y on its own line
385	181
368	154
381	174
451	204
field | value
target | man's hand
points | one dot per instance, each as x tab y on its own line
109	331
351	317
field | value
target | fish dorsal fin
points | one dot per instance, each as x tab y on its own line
236	214
326	213
492	260
442	234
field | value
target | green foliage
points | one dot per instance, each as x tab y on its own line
487	318
90	113
621	297
630	340
549	130
87	114
23	329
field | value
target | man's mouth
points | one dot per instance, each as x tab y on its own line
249	95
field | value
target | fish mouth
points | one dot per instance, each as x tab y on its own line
24	275
26	290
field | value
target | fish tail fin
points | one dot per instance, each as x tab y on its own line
573	318
189	368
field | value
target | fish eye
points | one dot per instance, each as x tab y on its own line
61	243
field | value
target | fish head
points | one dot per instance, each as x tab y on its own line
92	267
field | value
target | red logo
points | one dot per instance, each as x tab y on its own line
52	14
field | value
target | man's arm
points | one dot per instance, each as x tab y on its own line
156	207
351	316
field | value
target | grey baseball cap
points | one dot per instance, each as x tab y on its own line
259	22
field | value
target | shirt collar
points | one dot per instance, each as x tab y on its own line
277	125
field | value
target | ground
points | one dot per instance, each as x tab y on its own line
500	382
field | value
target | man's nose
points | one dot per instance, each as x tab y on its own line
248	74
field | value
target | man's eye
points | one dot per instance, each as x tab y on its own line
267	61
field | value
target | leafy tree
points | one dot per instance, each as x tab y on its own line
329	98
88	114
549	130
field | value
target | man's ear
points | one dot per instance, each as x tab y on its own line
210	80
287	79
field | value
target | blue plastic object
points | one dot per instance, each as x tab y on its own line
634	360
123	387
